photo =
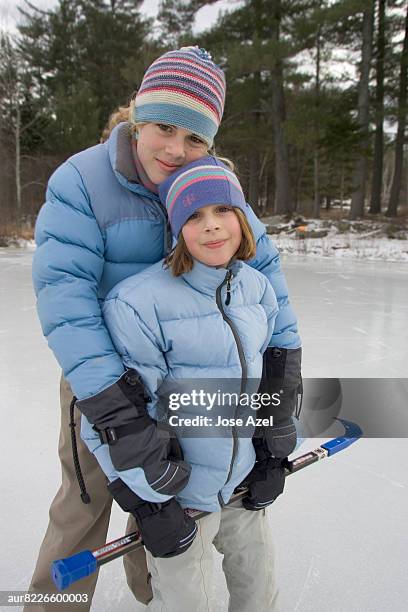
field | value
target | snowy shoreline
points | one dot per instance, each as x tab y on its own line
345	246
368	240
339	246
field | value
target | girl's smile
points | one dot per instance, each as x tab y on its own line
215	245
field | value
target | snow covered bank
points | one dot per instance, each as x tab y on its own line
20	243
374	249
368	240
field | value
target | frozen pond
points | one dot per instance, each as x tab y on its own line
352	316
340	529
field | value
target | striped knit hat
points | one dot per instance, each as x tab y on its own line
183	88
204	182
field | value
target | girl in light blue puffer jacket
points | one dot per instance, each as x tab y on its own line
195	327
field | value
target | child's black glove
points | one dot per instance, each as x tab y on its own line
266	480
165	529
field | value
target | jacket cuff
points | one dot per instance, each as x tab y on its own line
124	496
281	368
118	404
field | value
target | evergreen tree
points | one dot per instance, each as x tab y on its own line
78	54
257	43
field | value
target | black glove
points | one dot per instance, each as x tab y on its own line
266	481
166	531
120	417
280	374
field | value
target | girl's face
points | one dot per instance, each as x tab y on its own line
164	148
213	234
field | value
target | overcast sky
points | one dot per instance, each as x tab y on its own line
205	17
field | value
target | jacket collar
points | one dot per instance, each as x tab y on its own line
121	158
207	279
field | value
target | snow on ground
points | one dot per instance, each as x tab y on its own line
340	529
345	247
364	240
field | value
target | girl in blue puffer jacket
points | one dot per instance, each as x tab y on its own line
191	328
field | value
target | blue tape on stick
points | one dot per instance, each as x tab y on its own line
66	571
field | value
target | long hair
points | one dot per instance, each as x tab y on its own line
180	261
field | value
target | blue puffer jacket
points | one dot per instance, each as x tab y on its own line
97	227
185	332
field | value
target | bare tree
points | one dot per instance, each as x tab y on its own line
11	102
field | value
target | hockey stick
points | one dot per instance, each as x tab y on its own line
66	571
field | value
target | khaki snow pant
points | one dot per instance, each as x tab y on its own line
75	526
185	583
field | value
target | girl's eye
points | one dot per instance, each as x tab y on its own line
163	127
196	140
224	209
193	216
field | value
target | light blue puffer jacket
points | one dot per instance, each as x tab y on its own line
174	330
97	227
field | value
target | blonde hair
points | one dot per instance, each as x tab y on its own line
121	114
180	261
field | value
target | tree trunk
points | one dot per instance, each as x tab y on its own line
283	203
253	189
360	170
399	142
376	188
254	156
17	135
316	207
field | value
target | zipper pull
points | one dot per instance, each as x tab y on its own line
229	277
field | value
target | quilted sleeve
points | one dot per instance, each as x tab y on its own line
67	269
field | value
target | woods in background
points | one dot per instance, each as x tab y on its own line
316	105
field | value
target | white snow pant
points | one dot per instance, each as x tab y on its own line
185	583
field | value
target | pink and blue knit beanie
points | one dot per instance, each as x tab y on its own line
204	182
183	88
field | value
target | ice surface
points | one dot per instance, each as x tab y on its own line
340	529
352	315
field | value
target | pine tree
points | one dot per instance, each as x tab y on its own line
79	53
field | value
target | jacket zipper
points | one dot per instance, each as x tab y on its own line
227	281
